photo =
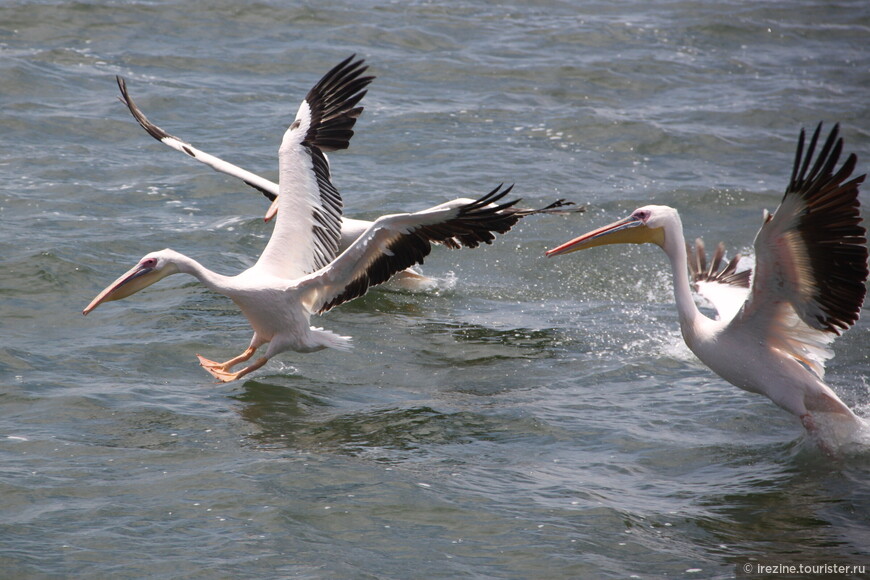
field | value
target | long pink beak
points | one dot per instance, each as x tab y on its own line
131	282
597	237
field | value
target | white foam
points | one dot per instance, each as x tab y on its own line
414	281
841	437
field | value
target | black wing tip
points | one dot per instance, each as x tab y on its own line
137	113
499	217
559	207
804	178
333	102
830	226
489	198
480	220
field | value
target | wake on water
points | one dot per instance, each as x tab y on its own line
840	438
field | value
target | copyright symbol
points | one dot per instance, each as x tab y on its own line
747	567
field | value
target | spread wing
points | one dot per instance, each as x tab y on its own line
396	242
268	188
308	227
811	257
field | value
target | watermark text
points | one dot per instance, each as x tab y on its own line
749	569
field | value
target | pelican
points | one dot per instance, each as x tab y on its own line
298	273
807	287
351	229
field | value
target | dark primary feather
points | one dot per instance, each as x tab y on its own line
332	103
557	206
829	227
510	216
716	272
475	223
150	127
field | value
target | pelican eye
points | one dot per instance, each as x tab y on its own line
642	214
149	263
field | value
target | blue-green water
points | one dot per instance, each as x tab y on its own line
531	418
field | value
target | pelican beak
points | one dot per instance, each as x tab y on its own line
273	209
134	280
631	230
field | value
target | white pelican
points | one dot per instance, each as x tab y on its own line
351	229
807	286
297	274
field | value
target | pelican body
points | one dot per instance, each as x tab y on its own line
299	272
807	287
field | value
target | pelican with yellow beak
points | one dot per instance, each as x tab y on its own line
807	287
300	271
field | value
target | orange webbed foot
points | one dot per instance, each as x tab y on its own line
209	364
221	371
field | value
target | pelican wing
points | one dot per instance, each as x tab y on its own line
268	188
396	242
306	238
722	285
811	257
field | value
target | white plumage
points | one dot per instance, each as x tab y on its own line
298	273
807	286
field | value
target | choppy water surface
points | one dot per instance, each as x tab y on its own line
529	418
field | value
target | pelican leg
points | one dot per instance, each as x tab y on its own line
225	366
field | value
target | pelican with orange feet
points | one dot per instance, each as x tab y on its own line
299	272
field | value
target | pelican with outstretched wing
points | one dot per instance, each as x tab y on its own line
807	287
298	273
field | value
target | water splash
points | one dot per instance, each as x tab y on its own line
841	438
412	280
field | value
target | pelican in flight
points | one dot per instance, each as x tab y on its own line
807	286
298	273
351	229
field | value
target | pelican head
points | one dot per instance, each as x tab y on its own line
150	269
647	224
